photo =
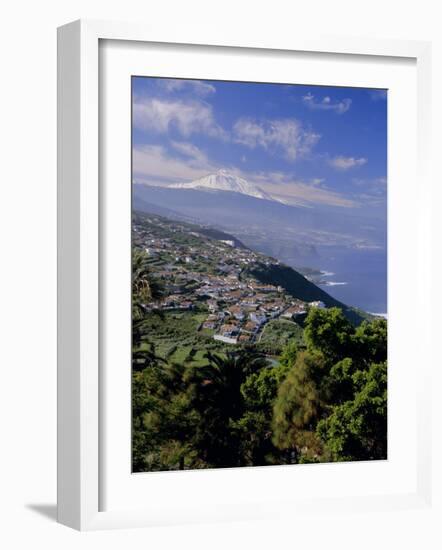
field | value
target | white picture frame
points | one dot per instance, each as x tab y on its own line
79	268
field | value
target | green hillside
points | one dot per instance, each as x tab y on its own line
298	286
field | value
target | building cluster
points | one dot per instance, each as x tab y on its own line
214	275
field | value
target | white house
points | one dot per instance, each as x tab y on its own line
317	303
259	319
226	339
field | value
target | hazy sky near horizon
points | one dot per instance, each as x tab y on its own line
306	145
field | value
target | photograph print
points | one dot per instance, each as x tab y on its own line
259	274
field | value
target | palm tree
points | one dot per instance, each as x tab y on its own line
162	421
144	358
145	289
216	394
143	285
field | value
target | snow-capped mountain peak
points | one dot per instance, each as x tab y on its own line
222	180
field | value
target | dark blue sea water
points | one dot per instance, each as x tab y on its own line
357	277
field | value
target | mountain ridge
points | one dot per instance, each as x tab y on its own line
222	180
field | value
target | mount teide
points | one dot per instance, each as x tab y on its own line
240	207
224	181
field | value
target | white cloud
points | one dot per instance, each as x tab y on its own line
187	117
378	95
153	165
197	86
372	190
376	183
189	150
346	163
326	104
283	135
290	190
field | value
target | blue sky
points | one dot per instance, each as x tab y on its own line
306	145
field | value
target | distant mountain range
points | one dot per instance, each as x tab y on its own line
224	181
288	232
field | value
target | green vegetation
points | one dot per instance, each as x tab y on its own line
298	286
325	401
223	376
278	333
333	403
174	336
